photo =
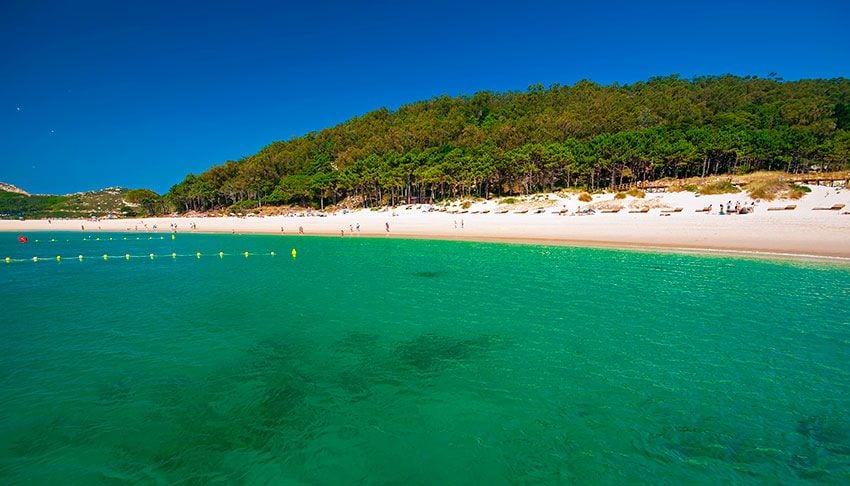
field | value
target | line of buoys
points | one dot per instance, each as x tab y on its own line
110	238
152	256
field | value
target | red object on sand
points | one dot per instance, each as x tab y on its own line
22	239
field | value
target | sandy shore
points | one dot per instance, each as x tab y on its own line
801	231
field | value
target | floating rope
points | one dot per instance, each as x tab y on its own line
107	238
128	256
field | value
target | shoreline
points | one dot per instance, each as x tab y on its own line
739	252
802	233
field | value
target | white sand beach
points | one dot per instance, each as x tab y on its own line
802	231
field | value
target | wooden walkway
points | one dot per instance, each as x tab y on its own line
661	186
810	181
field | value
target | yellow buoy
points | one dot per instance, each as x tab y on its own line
35	259
174	255
58	258
160	237
52	240
127	256
221	254
80	257
151	255
294	253
125	238
246	254
106	257
172	236
110	238
98	238
8	260
198	254
272	253
36	241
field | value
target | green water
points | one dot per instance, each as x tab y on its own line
416	362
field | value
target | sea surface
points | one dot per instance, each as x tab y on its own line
385	361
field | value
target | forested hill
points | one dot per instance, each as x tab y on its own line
584	135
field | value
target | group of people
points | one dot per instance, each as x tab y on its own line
351	229
737	209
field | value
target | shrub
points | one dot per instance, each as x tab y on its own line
585	197
509	200
797	191
769	187
635	192
620	195
718	187
466	205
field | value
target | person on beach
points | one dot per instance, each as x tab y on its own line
341	232
721	210
358	227
387	224
300	230
461	224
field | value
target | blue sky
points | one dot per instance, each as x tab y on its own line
138	94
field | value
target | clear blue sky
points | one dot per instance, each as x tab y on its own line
138	94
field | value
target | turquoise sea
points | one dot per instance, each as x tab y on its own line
384	361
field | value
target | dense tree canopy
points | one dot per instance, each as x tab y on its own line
585	135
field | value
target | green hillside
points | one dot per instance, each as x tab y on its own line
586	135
116	202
